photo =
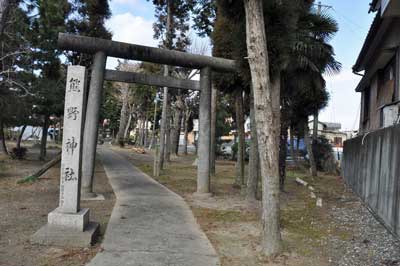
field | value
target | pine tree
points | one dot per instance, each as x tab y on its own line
88	20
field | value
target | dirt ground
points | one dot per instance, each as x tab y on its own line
310	233
24	209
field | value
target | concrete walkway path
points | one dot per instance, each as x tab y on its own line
149	225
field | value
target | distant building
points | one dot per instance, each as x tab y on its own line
331	131
380	61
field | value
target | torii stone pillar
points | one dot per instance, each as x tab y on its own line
203	165
90	133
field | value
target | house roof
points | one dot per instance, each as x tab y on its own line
373	5
329	125
359	66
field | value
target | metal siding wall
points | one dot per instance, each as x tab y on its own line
371	167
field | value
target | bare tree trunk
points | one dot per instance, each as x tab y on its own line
128	124
146	121
46	167
4	10
266	120
163	127
3	146
315	126
252	180
213	146
307	140
188	114
124	114
282	155
176	125
21	134
43	142
141	131
165	115
283	138
167	154
240	134
184	132
292	153
153	133
178	135
60	130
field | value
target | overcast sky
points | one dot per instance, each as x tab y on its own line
132	22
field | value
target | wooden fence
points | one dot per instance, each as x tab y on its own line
371	167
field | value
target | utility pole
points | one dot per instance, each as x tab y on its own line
320	6
315	122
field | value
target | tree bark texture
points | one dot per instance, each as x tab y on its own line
176	125
153	133
315	126
43	142
308	142
253	178
213	147
187	116
163	127
167	154
282	155
165	114
3	145
128	124
266	121
292	152
239	181
146	122
4	10
124	114
21	134
47	166
203	166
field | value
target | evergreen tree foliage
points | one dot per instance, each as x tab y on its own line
181	10
88	19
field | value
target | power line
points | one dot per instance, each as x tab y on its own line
348	20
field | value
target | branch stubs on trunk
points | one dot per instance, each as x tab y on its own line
266	120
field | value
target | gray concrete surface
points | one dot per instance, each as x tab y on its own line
60	236
149	225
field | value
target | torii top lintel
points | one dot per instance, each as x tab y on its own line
92	45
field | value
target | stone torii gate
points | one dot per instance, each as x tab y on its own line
102	48
69	224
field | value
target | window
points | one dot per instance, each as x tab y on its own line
337	141
386	83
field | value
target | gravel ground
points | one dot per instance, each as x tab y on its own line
369	244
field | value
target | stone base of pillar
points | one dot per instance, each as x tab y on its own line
200	195
92	196
67	230
75	221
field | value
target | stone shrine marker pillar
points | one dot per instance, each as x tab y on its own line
68	225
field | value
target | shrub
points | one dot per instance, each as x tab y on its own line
322	153
18	153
